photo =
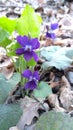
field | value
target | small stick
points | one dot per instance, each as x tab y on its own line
39	102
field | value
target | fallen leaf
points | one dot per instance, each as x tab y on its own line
36	3
65	83
30	107
67	20
8	71
6	64
66	95
14	128
64	42
30	127
54	103
66	98
54	84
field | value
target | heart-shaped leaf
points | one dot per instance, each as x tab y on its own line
59	57
3	34
58	61
49	52
29	22
7	24
6	86
54	121
43	90
9	115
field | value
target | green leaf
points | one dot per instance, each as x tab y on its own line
69	52
43	90
5	42
9	115
46	65
31	63
48	52
54	121
7	24
59	57
3	35
11	48
6	86
58	61
29	22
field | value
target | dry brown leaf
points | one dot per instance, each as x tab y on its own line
5	61
30	107
7	71
39	9
65	82
54	84
70	77
49	42
67	20
54	103
41	1
59	109
13	128
36	3
53	100
6	66
66	95
30	127
64	42
70	108
66	98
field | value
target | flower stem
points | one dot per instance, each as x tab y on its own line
22	66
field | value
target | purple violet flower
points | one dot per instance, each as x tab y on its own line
28	45
32	77
54	26
51	35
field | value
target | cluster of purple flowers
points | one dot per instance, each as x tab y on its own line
28	45
50	33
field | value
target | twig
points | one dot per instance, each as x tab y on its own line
39	102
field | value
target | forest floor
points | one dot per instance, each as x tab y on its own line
58	77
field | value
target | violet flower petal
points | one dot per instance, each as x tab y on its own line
48	34
35	56
27	73
30	85
22	40
19	51
35	43
51	35
28	55
54	26
36	75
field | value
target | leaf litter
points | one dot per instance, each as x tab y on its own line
61	99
